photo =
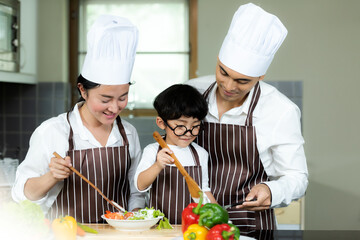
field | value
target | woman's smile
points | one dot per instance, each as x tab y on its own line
110	115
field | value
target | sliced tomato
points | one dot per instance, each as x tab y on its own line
114	215
128	214
118	216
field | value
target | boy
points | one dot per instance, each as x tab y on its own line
180	108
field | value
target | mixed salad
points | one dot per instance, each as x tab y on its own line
142	214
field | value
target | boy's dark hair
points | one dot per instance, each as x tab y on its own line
180	100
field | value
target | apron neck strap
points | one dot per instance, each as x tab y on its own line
195	155
253	103
71	142
119	124
207	92
122	130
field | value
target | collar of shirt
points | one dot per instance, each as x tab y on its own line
243	109
79	129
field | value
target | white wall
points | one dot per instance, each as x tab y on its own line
53	41
322	50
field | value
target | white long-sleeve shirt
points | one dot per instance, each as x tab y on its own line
279	139
184	156
52	135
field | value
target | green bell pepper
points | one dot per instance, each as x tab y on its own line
212	214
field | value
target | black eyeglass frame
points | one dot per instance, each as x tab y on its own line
187	130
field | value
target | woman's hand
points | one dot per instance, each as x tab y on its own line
37	187
163	158
59	168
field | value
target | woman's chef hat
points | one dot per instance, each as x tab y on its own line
111	50
253	38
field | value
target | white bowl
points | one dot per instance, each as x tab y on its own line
132	225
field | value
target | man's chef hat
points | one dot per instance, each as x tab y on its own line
111	50
253	38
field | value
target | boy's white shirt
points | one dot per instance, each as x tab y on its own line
184	156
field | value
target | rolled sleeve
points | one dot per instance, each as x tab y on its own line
137	199
36	164
289	177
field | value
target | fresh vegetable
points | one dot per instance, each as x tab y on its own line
114	215
26	216
190	214
195	232
223	232
146	213
64	228
212	214
128	215
87	229
79	231
164	224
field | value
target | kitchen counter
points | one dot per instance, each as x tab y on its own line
106	232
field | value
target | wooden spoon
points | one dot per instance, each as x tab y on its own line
194	188
112	202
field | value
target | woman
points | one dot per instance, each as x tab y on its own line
92	136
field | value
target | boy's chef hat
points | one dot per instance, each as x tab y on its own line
111	50
253	38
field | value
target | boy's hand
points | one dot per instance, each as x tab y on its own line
163	157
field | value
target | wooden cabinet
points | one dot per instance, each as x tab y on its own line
292	216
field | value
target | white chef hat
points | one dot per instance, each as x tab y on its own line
253	38
111	50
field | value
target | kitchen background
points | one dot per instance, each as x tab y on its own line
314	67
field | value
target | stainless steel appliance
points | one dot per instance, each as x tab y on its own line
9	35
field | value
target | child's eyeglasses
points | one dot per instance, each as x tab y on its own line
181	130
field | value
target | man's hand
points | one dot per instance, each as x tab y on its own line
262	193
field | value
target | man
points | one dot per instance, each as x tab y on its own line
252	132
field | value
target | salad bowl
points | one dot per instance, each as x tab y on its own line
141	220
132	225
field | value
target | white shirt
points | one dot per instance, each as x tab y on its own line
184	156
52	135
279	139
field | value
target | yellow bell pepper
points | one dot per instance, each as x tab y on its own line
195	232
64	228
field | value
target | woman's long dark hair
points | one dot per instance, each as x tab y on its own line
87	85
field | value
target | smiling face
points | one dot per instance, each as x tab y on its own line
171	138
104	103
233	87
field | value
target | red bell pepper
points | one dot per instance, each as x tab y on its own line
223	232
190	214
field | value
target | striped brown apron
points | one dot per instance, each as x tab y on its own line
235	167
169	191
107	168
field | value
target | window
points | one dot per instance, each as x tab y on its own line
163	53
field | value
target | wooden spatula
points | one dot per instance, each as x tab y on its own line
112	202
194	188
